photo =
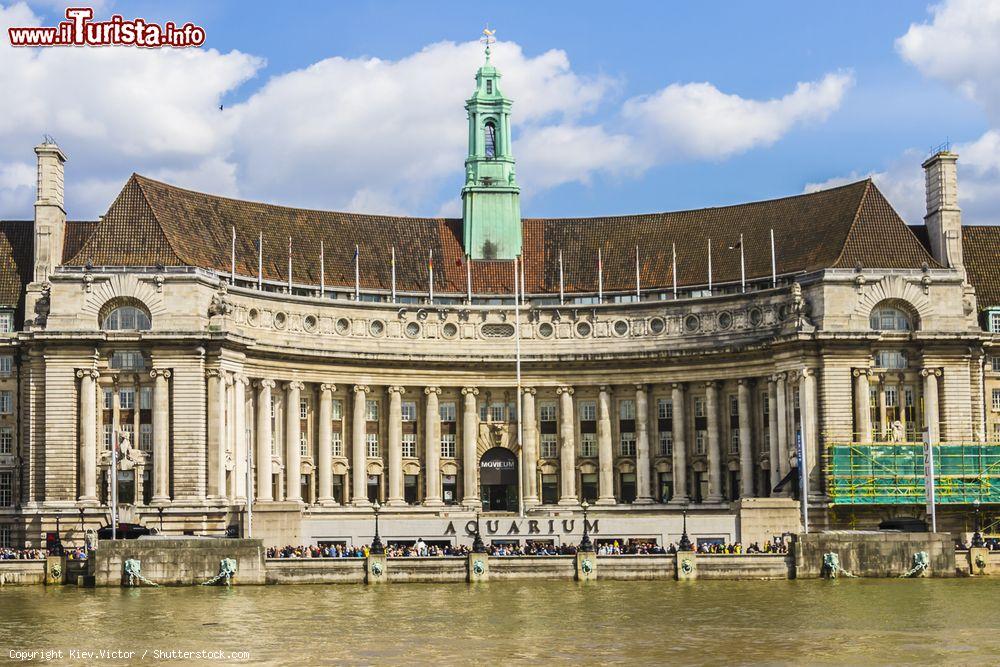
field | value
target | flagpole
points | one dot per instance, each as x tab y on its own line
430	275
357	275
289	264
114	487
562	294
774	266
600	278
673	252
710	267
743	268
517	366
260	261
250	489
322	272
638	290
468	278
394	274
232	260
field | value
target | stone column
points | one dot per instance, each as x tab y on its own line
216	434
714	448
567	447
432	448
264	436
230	464
396	445
932	419
680	496
470	434
644	490
88	435
746	448
161	436
781	404
883	409
359	455
605	449
529	450
240	436
862	405
808	406
325	444
772	433
293	445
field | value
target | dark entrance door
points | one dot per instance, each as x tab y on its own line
498	480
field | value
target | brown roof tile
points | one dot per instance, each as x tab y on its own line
981	251
16	261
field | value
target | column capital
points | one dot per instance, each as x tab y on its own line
528	391
711	384
565	390
432	390
88	372
807	372
936	372
470	391
362	389
604	389
164	373
780	376
229	379
239	378
641	386
395	389
858	372
679	386
265	384
214	373
295	384
744	381
326	387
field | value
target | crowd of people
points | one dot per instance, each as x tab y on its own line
21	554
773	547
991	543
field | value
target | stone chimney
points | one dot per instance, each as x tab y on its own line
50	210
944	217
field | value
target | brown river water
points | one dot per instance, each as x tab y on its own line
855	622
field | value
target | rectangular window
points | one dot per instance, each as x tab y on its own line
995	364
588	486
410	486
765	405
588	444
549	446
108	400
664	408
996	432
127	360
371	440
996	399
734	441
6	365
734	406
447	445
627	482
447	411
303	445
146	437
547	412
498	412
337	443
6	489
6	539
588	411
449	488
550	489
891	359
891	396
6	322
337	410
371	410
303	409
626	410
483	412
699	442
145	398
128	431
108	435
6	440
699	407
410	445
126	398
628	444
666	443
994	322
6	402
409	411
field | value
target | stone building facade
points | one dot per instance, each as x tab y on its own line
307	364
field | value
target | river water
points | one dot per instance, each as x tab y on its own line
924	621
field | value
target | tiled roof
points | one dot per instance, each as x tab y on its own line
16	261
155	223
981	251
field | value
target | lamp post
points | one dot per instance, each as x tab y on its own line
585	543
159	510
377	546
477	541
685	541
977	537
82	528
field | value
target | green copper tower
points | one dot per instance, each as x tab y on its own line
491	206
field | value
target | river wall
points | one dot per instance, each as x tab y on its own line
176	562
874	553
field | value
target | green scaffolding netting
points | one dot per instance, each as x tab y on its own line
893	473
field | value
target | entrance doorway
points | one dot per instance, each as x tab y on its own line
498	480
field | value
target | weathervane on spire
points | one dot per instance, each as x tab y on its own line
488	39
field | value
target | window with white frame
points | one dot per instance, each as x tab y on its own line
371	410
995	364
303	445
664	409
484	411
128	431
126	398
699	442
666	443
891	359
409	411
547	412
447	411
145	398
892	396
6	321
108	401
6	365
447	445
371	440
303	409
887	318
337	409
550	446
996	399
126	318
410	445
994	321
498	412
588	444
337	443
127	360
588	411
626	409
734	441
699	406
6	402
627	444
6	537
109	433
146	437
996	432
6	489
6	439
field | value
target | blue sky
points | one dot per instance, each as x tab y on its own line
884	108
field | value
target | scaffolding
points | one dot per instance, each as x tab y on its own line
884	473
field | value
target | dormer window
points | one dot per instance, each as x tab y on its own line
491	140
887	318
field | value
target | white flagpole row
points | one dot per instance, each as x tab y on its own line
517	366
289	264
673	252
322	271
394	274
430	275
600	278
562	293
710	267
638	290
260	261
743	268
357	275
232	260
774	264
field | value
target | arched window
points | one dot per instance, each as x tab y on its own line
491	139
890	318
126	318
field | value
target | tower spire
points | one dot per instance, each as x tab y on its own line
487	39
